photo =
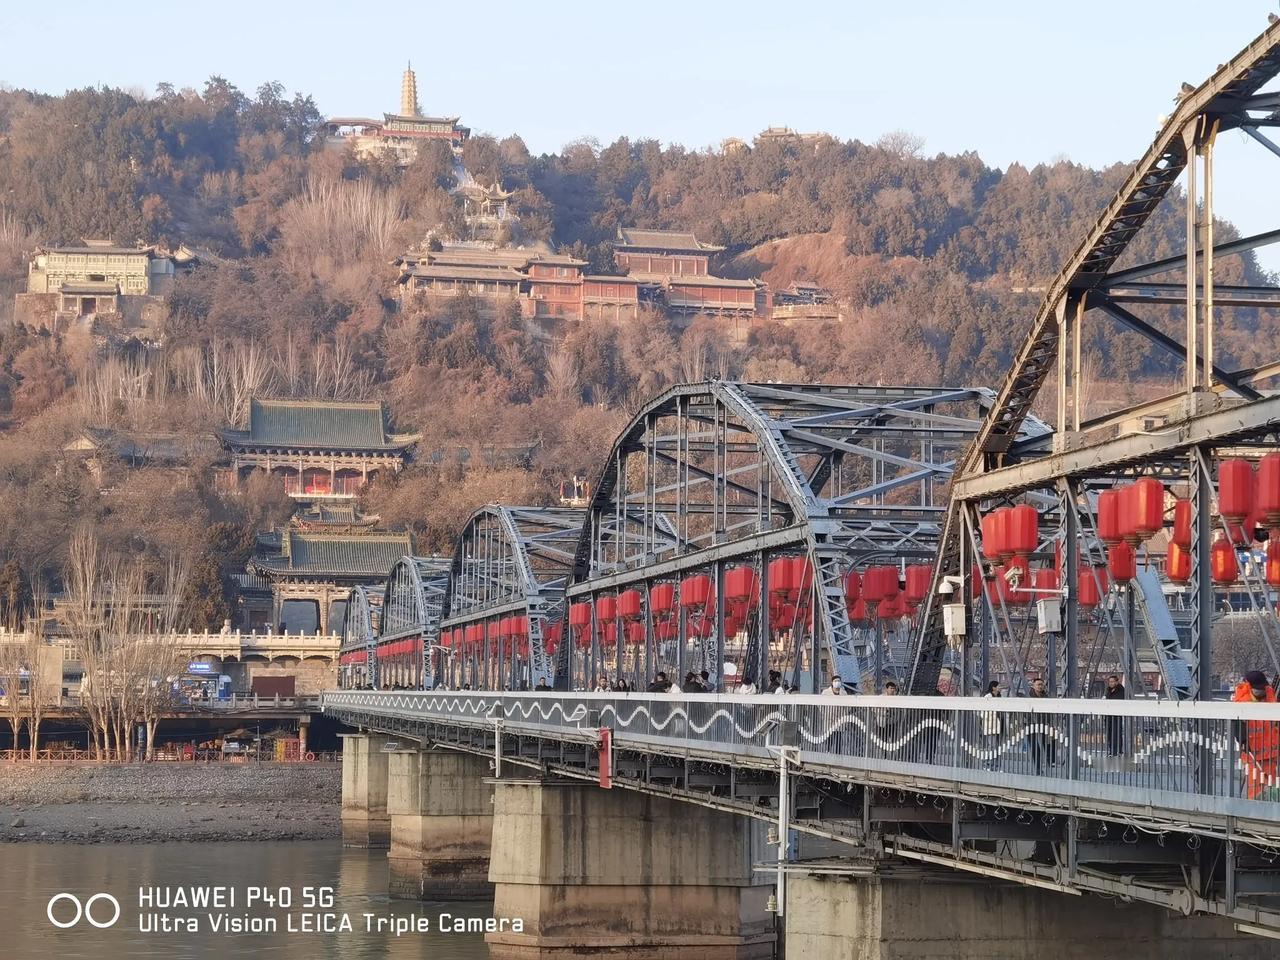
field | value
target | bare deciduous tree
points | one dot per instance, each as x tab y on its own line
130	653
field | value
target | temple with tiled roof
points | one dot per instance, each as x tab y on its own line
318	449
671	269
311	572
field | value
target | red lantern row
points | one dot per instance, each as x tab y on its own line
398	648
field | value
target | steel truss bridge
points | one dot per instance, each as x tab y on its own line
1175	306
1146	801
707	479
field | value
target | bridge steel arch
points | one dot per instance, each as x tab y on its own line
407	651
714	473
357	658
506	600
1174	304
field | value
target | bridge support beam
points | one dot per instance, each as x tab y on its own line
624	874
441	821
365	822
879	918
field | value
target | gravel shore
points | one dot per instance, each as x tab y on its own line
144	803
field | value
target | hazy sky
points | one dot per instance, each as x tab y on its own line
1015	81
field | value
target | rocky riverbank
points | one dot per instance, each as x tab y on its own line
143	803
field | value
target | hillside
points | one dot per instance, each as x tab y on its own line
295	293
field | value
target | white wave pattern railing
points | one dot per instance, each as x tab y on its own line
1207	758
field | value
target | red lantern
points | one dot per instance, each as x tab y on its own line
1024	529
1273	560
888	609
740	584
804	575
919	580
783	578
1122	561
629	605
662	598
1235	489
890	582
635	634
1177	563
1091	587
990	537
1182	523
579	614
1109	516
1146	509
609	635
1222	561
606	608
852	586
975	581
873	587
1269	488
857	612
1001	528
695	591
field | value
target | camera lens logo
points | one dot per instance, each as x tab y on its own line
87	911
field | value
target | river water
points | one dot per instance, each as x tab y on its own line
31	874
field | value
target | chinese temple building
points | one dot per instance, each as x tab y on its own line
396	134
318	449
99	278
672	267
546	285
310	571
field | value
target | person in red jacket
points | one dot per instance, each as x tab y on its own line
1260	740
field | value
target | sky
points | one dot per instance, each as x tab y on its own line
1018	82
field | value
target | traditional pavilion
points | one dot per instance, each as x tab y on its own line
318	449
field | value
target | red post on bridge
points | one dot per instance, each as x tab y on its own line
605	747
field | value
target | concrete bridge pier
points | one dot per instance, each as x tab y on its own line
365	822
929	917
624	874
441	808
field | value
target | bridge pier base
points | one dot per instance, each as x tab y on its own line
623	874
365	822
441	822
970	918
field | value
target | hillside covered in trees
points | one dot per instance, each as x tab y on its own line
294	296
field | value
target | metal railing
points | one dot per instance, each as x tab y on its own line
254	702
1214	759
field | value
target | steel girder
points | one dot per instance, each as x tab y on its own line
413	603
514	561
1225	100
713	472
360	627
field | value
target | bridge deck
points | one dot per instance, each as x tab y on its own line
1180	764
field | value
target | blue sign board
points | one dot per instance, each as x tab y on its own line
196	667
